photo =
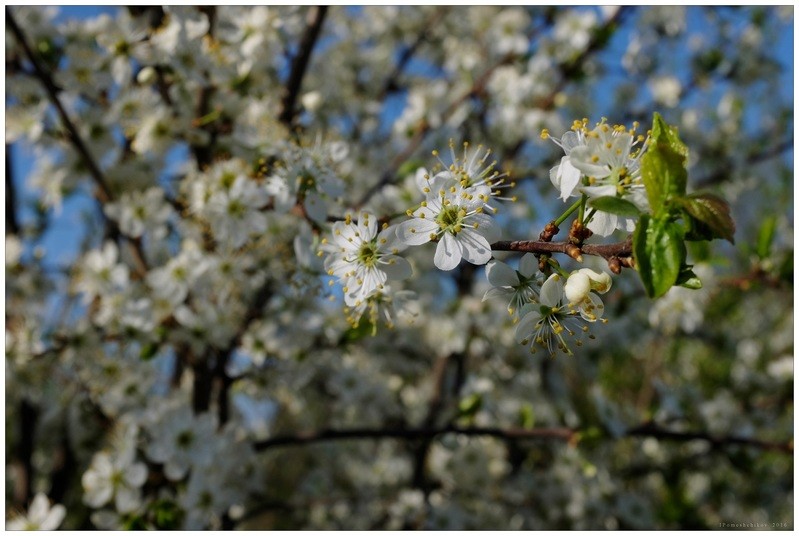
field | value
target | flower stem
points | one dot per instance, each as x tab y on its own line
581	214
554	264
589	216
568	212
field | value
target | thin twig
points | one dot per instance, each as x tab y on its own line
103	192
316	16
652	430
563	434
568	435
12	224
392	82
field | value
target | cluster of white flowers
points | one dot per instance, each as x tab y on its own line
547	309
453	213
603	161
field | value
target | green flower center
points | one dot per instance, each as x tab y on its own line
185	439
451	219
367	255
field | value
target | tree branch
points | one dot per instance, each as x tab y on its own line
650	429
569	435
12	224
103	192
392	82
563	434
314	20
618	254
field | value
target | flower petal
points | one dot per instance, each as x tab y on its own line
416	231
497	292
603	223
501	275
567	178
395	267
448	253
475	247
486	226
552	291
528	265
527	326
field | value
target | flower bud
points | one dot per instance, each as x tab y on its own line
577	287
146	76
600	282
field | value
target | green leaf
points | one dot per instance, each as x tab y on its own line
659	253
766	236
662	133
148	351
527	416
713	212
470	405
364	329
664	175
410	167
688	279
615	205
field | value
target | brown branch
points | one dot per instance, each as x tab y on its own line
392	82
565	434
23	454
652	430
103	192
618	254
12	224
314	20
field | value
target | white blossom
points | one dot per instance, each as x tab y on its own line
40	516
363	259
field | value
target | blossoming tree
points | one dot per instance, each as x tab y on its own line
338	267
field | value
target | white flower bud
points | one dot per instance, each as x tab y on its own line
577	287
146	76
311	101
600	282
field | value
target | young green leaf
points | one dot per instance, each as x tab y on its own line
615	205
659	253
688	279
713	212
664	175
662	133
766	236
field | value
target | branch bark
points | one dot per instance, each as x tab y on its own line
569	435
316	16
619	250
103	192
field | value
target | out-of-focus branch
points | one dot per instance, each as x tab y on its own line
314	20
103	192
12	224
392	82
754	157
23	459
424	128
652	430
562	434
569	435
